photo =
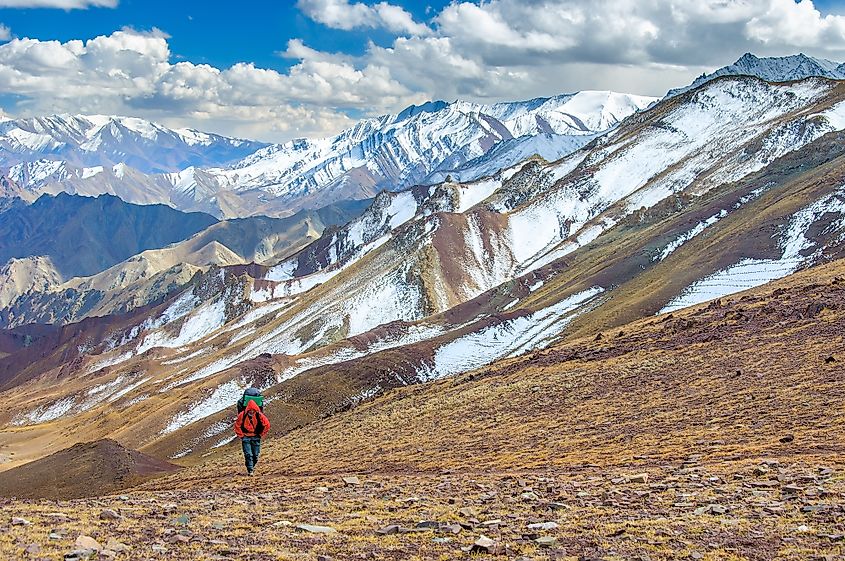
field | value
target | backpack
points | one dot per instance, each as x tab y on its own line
251	394
258	399
252	423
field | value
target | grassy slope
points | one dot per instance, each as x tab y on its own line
699	401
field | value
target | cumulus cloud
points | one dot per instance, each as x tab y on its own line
63	4
341	14
5	32
129	72
515	48
482	51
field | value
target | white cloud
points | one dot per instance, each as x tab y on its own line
796	23
341	14
63	4
128	72
492	50
5	32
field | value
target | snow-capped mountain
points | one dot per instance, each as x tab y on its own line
720	189
421	144
773	69
396	151
95	141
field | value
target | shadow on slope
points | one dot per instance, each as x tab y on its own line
83	470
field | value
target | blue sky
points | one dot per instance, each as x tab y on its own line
276	70
216	32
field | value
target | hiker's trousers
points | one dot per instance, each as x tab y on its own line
252	448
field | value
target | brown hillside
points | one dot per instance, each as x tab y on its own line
714	433
83	470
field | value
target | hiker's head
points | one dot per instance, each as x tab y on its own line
252	391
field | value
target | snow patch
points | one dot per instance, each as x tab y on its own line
222	397
507	339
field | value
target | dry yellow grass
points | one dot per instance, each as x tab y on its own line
734	411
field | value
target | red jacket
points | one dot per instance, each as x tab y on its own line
252	422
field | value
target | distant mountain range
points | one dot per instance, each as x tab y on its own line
95	142
84	235
66	257
467	259
143	162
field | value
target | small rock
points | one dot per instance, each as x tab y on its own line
87	542
530	496
451	528
79	554
32	549
180	538
485	545
543	526
388	530
20	521
324	558
314	529
786	439
352	480
441	540
546	541
639	478
109	514
467	512
117	546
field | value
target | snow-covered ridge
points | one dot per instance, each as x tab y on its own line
192	170
407	147
772	69
751	272
88	141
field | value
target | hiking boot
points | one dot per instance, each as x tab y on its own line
250	473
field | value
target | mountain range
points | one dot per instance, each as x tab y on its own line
185	169
476	254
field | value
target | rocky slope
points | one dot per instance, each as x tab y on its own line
695	435
83	470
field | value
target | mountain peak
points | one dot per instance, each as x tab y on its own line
427	107
773	69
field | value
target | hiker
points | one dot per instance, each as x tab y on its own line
251	426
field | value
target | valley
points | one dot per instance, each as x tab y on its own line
585	326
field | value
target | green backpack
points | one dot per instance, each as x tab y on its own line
258	399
